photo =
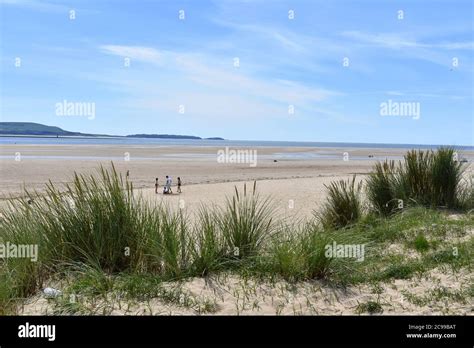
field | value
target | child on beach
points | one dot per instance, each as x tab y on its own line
156	185
179	184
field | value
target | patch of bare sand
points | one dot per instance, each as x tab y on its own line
294	199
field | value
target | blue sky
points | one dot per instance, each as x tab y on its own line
283	62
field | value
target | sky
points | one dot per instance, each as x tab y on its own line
246	70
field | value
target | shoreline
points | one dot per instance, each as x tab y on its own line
237	142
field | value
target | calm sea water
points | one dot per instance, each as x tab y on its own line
220	143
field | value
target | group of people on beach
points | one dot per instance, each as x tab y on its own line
167	186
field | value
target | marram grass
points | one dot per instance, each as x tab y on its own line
428	178
343	206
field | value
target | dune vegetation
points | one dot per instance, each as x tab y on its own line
99	237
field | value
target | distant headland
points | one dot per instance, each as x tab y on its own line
41	130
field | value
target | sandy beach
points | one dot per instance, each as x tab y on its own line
294	176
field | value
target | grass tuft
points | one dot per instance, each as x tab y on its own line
427	178
246	223
343	206
421	243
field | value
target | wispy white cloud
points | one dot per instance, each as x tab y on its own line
143	54
398	41
226	77
284	38
410	46
283	45
221	85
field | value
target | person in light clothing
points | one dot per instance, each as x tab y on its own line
167	187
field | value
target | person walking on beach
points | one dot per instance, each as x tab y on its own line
156	185
167	187
179	184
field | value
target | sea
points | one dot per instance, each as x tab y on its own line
204	142
329	148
